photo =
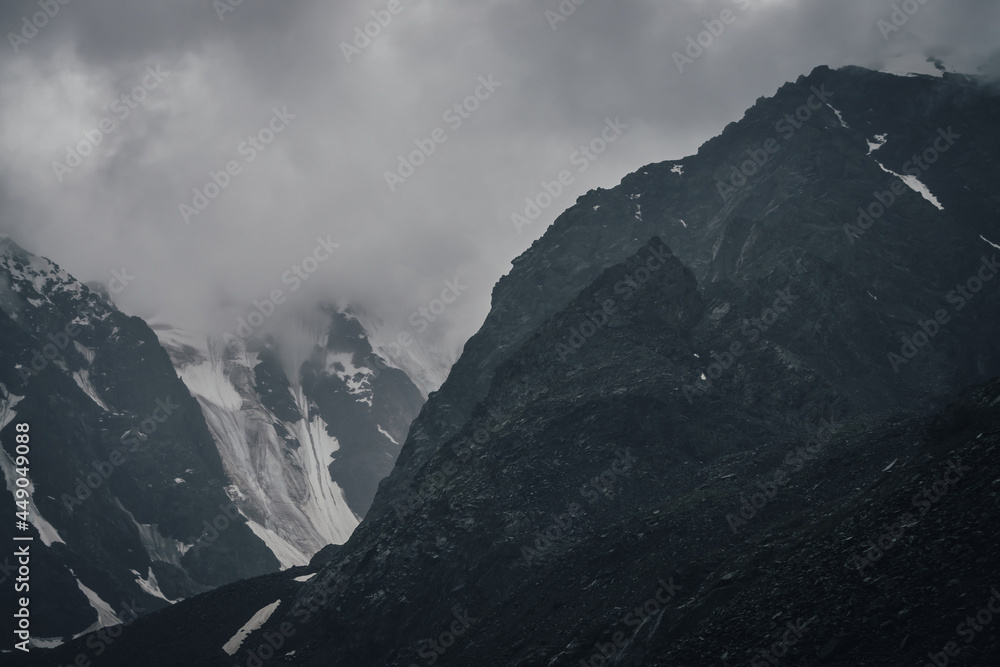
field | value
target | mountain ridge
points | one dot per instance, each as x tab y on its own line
709	436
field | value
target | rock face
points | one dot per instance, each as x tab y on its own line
304	442
149	487
126	481
698	405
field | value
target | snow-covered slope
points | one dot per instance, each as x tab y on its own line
277	467
305	431
427	365
110	430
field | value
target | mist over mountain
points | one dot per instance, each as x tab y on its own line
740	408
401	333
322	177
170	462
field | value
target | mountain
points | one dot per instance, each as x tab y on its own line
128	508
718	414
424	362
169	463
304	440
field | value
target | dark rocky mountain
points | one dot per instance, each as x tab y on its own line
148	487
305	435
717	415
125	476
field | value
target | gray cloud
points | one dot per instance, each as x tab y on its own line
324	174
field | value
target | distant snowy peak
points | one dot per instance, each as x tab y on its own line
273	445
425	364
306	424
36	279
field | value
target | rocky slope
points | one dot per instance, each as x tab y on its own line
149	488
818	168
126	481
304	441
695	400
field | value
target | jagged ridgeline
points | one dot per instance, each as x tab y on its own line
684	433
164	463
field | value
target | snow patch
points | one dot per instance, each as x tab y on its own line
7	403
106	616
255	623
158	547
82	379
880	140
914	183
386	434
990	242
207	381
150	585
840	116
287	554
683	223
285	492
88	353
357	379
305	577
46	530
677	169
426	365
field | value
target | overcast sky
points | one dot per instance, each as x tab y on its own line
356	109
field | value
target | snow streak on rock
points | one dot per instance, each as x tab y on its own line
106	616
279	471
258	619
